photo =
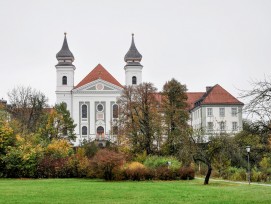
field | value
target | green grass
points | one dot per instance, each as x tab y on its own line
95	191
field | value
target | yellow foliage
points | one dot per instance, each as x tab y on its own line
59	148
135	165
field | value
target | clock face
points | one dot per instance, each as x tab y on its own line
99	86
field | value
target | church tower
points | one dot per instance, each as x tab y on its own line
64	75
133	68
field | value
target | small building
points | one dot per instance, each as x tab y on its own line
215	111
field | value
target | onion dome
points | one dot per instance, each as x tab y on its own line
133	57
65	56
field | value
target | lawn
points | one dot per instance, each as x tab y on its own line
97	191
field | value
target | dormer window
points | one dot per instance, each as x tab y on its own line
64	80
134	80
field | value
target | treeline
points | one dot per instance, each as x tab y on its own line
154	140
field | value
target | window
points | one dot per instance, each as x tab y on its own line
100	107
115	111
64	80
222	112
209	112
234	126
84	130
134	80
210	126
84	111
222	126
234	112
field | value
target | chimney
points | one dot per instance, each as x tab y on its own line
208	88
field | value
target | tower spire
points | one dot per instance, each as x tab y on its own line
65	56
133	56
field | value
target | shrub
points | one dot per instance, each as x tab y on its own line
165	173
50	167
90	149
154	162
187	173
105	163
136	171
22	159
235	174
59	148
81	162
141	157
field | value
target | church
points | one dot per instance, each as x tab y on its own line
93	101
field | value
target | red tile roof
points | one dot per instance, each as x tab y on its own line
99	72
192	97
218	95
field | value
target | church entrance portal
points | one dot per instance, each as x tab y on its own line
100	133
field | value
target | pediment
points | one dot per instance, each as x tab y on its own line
98	86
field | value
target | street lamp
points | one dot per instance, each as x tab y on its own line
248	166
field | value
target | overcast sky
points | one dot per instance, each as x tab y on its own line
199	42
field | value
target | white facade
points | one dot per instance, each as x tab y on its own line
215	119
133	74
93	102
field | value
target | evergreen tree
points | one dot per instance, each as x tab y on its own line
175	112
59	124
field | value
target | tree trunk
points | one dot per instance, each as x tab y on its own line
207	177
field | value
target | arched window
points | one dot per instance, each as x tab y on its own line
134	80
64	80
84	111
84	130
115	111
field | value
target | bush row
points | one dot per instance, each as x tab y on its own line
105	164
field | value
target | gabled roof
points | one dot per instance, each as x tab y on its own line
99	72
217	95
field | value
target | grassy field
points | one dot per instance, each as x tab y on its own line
95	191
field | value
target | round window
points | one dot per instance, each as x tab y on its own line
99	87
100	107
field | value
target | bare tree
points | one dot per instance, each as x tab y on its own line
259	102
27	106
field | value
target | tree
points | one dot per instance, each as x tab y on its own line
106	162
7	139
139	116
210	151
175	112
27	106
259	103
59	124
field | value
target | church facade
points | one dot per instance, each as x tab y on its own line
93	101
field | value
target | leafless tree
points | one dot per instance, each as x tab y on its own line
27	106
259	102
